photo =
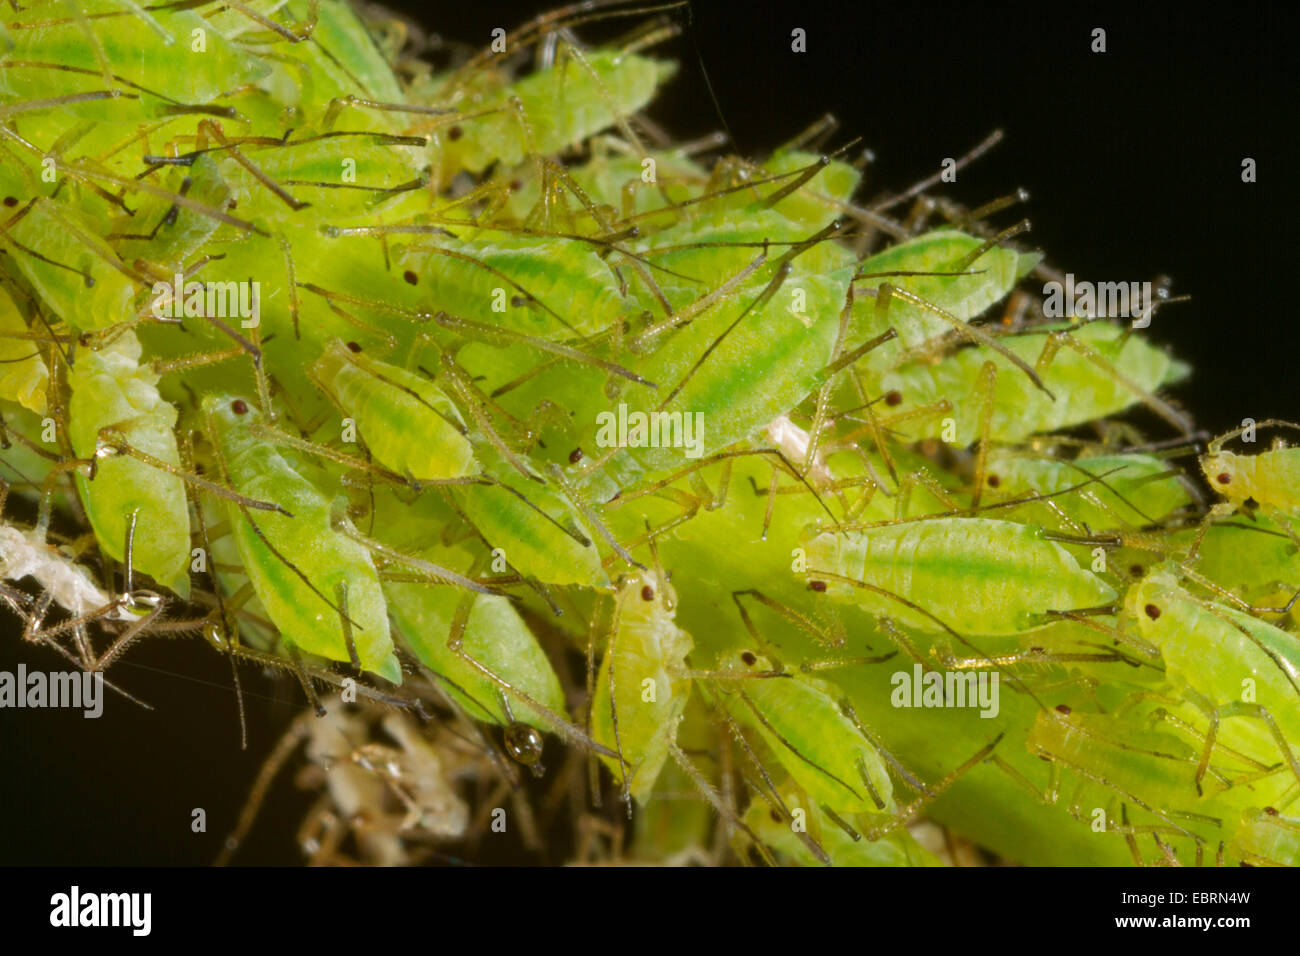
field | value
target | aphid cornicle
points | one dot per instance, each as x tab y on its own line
638	699
294	557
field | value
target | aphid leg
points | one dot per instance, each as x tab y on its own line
713	798
298	731
906	814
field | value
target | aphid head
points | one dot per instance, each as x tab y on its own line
1148	604
1228	474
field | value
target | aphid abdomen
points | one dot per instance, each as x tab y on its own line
24	376
646	698
111	390
97	293
993	275
406	420
299	562
976	575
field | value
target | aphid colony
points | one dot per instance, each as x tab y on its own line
388	476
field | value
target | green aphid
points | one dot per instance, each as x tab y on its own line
1129	491
495	637
300	566
112	391
969	575
557	107
638	698
800	720
1127	371
407	422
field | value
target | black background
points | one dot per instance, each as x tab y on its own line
1133	158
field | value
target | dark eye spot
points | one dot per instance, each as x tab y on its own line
518	301
817	585
1224	478
1153	612
776	817
1135	570
894	398
454	133
1063	709
516	185
410	277
994	481
239	406
354	346
11	200
233	204
749	658
1271	811
575	456
647	593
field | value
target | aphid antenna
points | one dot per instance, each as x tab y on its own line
921	186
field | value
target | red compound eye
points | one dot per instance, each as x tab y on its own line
1224	478
1153	612
239	406
647	593
894	398
749	658
817	585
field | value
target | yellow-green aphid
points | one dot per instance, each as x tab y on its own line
112	390
298	562
495	636
638	698
69	266
1236	663
963	296
896	849
406	421
1130	490
803	725
535	526
557	107
974	575
1082	389
1265	836
1271	478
